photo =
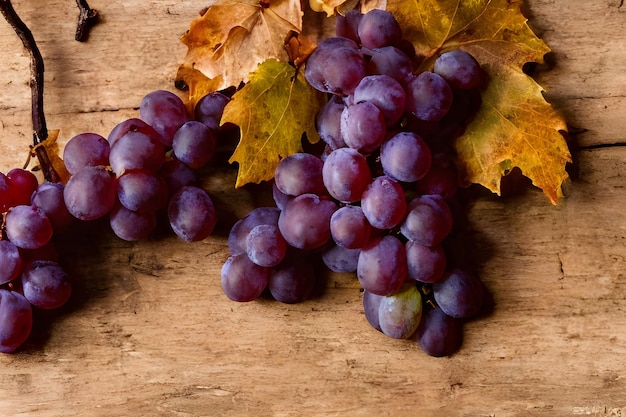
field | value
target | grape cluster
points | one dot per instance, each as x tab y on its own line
377	200
144	170
30	275
145	166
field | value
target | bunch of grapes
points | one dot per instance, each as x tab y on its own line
145	166
145	170
376	201
30	275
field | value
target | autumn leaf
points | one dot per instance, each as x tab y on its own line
272	110
231	38
515	126
341	7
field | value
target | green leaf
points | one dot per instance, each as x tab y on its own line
272	110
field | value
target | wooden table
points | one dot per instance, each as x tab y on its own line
149	331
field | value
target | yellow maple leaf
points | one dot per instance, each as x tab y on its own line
231	38
272	110
515	125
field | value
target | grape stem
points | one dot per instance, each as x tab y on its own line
87	17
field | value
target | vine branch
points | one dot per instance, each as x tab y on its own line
40	130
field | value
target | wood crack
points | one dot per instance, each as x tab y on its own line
603	145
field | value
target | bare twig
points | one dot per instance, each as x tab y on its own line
87	17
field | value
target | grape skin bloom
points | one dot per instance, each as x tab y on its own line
191	214
46	284
405	157
384	203
305	222
86	149
91	193
346	175
382	267
28	227
242	279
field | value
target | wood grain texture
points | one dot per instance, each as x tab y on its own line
149	332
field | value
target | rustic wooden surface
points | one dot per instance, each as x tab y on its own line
149	332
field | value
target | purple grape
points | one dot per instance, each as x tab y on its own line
86	149
363	127
390	61
382	267
292	281
46	285
459	68
209	109
10	262
346	175
442	178
335	66
22	184
191	214
371	306
300	173
405	157
6	196
347	26
305	222
132	125
176	175
165	112
439	334
265	245
428	96
239	232
141	190
91	193
28	227
378	28
281	199
459	293
243	280
49	198
328	122
136	150
340	259
385	93
349	227
131	225
425	263
428	221
194	144
384	203
16	320
399	314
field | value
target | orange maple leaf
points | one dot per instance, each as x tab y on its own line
231	39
